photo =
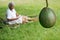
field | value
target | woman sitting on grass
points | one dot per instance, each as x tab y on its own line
14	18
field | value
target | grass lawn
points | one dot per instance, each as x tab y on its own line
30	31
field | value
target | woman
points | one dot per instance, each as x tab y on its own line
14	18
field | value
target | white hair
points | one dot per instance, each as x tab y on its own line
11	3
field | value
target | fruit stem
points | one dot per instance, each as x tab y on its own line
46	3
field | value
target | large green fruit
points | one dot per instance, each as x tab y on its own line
47	17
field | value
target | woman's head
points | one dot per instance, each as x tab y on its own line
11	5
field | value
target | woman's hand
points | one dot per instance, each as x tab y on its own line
17	14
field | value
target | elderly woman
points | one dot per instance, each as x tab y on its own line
14	18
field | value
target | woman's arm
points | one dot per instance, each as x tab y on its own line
12	19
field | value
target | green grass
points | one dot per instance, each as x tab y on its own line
31	31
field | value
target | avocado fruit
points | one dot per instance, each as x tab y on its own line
47	17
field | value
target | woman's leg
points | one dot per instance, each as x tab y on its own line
27	19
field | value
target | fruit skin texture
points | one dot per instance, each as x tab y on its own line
47	17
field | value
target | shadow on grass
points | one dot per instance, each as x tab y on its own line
2	23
